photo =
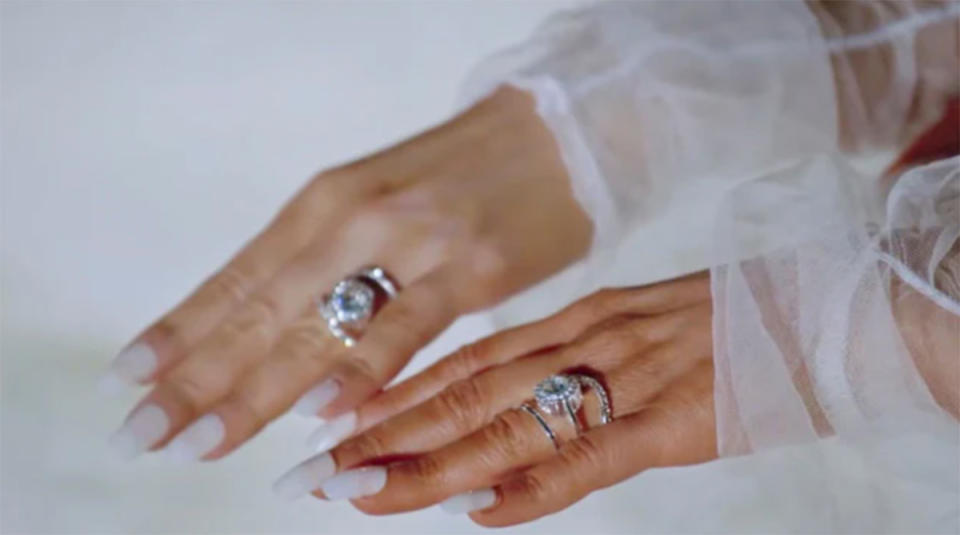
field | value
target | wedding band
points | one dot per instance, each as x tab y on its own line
353	301
563	393
543	424
606	414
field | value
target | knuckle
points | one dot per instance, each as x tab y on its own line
505	434
305	344
404	323
170	330
489	261
231	284
462	403
369	445
187	392
598	303
610	344
359	370
255	319
465	361
370	223
533	486
245	401
582	454
427	469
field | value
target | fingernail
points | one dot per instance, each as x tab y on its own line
355	483
134	364
318	397
142	429
469	501
197	440
305	477
331	433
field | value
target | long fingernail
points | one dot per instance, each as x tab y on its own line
134	364
331	433
143	429
318	397
197	440
305	477
469	501
355	483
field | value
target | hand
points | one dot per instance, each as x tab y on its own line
461	216
652	349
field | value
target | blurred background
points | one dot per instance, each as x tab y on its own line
142	143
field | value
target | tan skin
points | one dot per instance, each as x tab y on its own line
650	346
448	213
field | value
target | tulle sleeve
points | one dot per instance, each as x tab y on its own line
642	96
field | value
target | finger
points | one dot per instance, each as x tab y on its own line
455	412
304	354
158	348
560	328
510	442
310	367
678	429
465	362
466	405
245	338
403	326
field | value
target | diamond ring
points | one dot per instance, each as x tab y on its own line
562	393
354	301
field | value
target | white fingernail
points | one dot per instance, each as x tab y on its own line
355	483
143	429
197	440
469	501
318	397
305	477
332	432
134	364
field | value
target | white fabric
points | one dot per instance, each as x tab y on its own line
812	262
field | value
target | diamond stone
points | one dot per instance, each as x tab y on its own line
552	392
352	300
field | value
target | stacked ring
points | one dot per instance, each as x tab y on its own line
563	394
354	300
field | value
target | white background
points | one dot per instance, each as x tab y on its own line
142	143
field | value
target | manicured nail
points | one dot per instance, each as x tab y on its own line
143	429
305	477
318	397
469	501
134	364
332	432
355	483
197	440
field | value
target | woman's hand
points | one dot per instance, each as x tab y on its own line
460	216
651	348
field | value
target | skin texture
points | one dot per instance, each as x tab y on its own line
650	346
448	214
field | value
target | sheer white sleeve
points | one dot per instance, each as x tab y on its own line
836	303
642	96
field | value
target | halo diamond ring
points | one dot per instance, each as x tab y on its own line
563	393
354	300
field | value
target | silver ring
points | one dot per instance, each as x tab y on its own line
543	424
353	301
606	414
563	393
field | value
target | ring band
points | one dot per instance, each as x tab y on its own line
606	415
527	408
353	301
563	393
